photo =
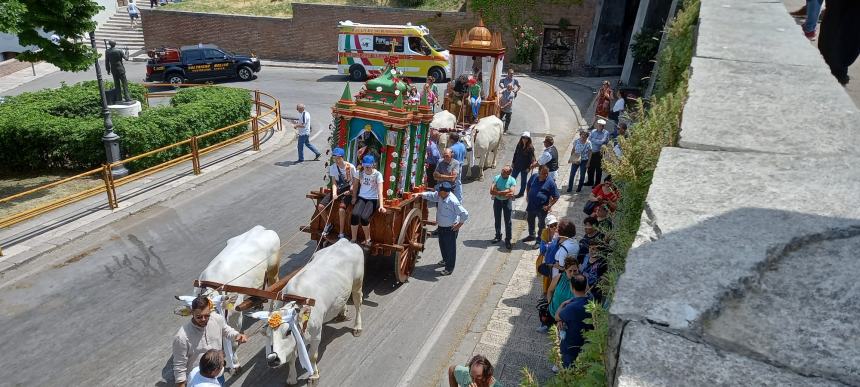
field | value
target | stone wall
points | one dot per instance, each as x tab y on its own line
744	271
310	35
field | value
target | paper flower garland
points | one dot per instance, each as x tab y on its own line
275	320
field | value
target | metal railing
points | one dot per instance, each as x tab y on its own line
267	115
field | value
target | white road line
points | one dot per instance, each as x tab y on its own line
542	109
442	323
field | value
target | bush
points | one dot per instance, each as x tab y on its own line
62	128
654	128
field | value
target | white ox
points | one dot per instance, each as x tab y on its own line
250	260
488	136
333	275
443	120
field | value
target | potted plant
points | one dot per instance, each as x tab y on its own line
527	40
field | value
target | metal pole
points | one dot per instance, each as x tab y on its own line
33	67
110	139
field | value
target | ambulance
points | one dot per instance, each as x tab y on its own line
364	47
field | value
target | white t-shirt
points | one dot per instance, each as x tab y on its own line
195	379
348	172
369	184
570	250
305	118
619	105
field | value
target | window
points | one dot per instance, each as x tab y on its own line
212	53
193	55
383	43
417	45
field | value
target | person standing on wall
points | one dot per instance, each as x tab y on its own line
303	125
450	216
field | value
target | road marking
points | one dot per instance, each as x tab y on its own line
442	323
542	109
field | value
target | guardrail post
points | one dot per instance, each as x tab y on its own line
255	137
257	101
278	115
107	176
195	156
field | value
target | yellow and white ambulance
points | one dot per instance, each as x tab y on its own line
364	47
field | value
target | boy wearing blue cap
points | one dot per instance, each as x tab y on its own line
450	216
367	199
341	174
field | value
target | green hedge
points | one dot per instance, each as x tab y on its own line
62	128
654	129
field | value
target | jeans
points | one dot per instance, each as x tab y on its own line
525	173
476	106
813	8
502	207
595	171
305	140
581	167
569	356
458	191
506	118
541	219
448	246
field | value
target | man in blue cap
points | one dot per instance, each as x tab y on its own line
450	216
341	174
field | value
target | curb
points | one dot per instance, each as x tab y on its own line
280	139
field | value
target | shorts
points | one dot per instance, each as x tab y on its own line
345	201
133	16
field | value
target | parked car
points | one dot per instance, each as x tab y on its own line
198	62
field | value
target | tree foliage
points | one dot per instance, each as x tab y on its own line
71	20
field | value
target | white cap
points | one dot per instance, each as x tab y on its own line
526	134
601	121
551	219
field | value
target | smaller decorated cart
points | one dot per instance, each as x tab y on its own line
480	54
381	121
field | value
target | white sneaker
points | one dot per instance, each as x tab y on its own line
341	236
542	329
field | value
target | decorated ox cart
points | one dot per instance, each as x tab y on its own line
381	121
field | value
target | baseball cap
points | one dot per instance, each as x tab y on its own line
368	161
526	134
445	186
337	152
551	219
601	121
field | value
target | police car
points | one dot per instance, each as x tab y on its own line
198	62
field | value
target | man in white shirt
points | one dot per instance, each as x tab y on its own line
303	125
549	157
205	331
209	372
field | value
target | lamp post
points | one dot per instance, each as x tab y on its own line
110	139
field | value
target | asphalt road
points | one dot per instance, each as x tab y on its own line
100	313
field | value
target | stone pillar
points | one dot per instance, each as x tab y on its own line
125	110
637	27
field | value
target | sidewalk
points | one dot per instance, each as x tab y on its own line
20	77
32	238
505	333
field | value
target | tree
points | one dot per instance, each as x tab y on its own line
70	20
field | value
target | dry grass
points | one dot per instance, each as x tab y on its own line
12	185
283	8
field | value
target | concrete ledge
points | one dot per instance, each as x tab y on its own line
743	269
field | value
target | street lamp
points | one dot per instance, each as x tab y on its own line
110	139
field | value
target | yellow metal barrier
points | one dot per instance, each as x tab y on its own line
270	109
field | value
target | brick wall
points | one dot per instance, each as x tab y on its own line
310	35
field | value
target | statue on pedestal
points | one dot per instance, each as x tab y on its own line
114	66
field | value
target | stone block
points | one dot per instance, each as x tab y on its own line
819	119
802	312
723	217
773	39
652	357
121	110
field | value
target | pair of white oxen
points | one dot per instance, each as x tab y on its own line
252	260
486	135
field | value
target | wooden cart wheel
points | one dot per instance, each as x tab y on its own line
411	234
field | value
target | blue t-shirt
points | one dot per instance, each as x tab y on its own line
573	314
433	155
540	192
458	150
504	184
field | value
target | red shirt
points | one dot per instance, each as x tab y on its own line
610	193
